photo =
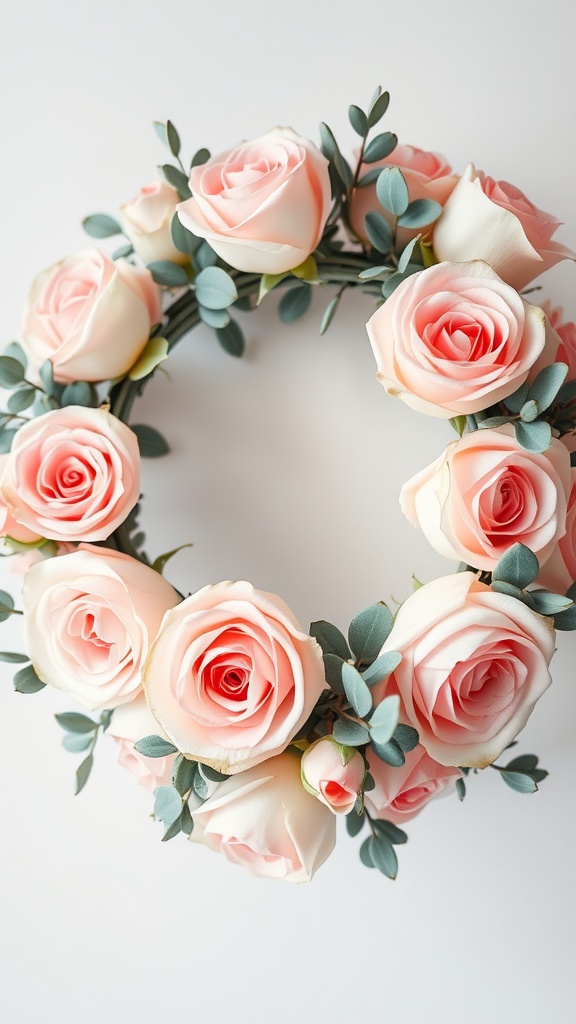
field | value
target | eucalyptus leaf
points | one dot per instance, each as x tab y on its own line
171	275
382	667
369	631
378	108
331	640
177	179
155	746
295	303
354	823
333	672
21	399
547	384
6	438
523	763
150	441
173	139
419	213
365	854
390	753
549	604
83	773
406	737
378	231
516	400
100	225
460	788
167	804
383	856
389	831
231	338
183	239
27	681
358	120
183	774
215	289
329	313
76	742
186	820
384	719
533	437
380	147
200	157
211	774
519	782
80	392
529	411
406	253
13	658
173	830
356	690
200	786
351	734
11	372
369	178
518	566
392	190
72	721
15	351
217	318
205	256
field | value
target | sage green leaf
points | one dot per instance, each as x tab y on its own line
183	239
518	566
155	746
369	178
215	289
26	681
11	372
76	742
171	275
100	225
122	251
365	854
358	120
354	823
533	437
373	272
72	721
384	719
83	773
406	737
516	400
356	690
295	303
173	139
519	782
167	804
333	672
6	438
378	231
523	763
177	179
383	856
529	411
404	259
15	351
382	667
378	108
183	774
150	441
460	788
550	604
200	786
186	820
231	338
205	256
329	313
330	638
390	753
419	213
544	389
173	830
327	141
380	147
214	317
13	658
20	400
80	392
211	774
392	190
351	734
369	631
389	831
201	156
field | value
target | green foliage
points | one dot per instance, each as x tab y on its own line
522	773
295	303
354	823
216	318
215	289
330	312
100	225
72	721
11	372
406	737
331	640
159	563
150	441
356	690
177	179
183	239
369	630
27	681
333	671
380	147
533	437
155	746
200	157
231	338
6	606
358	120
392	190
167	804
382	667
378	231
391	753
419	213
351	734
13	658
83	773
171	275
518	566
80	393
460	788
378	107
384	720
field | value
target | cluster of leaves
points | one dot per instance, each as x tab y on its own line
521	774
516	571
377	851
81	734
189	779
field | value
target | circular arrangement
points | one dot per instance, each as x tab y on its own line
253	733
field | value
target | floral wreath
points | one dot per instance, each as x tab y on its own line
253	733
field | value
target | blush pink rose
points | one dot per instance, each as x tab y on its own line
333	773
559	571
90	316
10	529
146	222
73	474
89	619
232	677
132	722
428	176
494	221
401	793
454	339
565	330
474	663
486	493
262	206
264	820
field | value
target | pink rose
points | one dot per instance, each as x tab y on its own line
231	676
565	330
263	205
428	176
146	222
494	221
333	774
89	619
10	529
25	558
264	820
132	722
401	793
559	572
486	493
73	474
474	663
455	339
90	316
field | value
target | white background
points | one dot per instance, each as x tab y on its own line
285	470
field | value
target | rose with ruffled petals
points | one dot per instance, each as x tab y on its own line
494	221
146	222
232	677
454	339
89	619
73	474
262	206
90	316
132	722
474	663
559	571
485	493
400	794
10	529
264	820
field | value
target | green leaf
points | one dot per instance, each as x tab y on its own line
369	631
547	384
11	372
460	788
390	753
15	351
200	157
150	441
351	734
343	169
6	605
380	147
358	120
373	272
21	399
419	213
122	251
389	831
177	179
231	338
500	587
295	303
186	820
459	424
565	396
515	401
26	681
406	737
356	690
354	823
329	313
12	658
159	563
80	392
529	411
391	283
384	719
173	139
549	604
383	856
183	774
6	438
216	318
378	231
71	721
204	256
211	774
333	672
533	437
404	258
75	742
173	830
154	353
100	225
392	190
518	566
215	289
200	786
378	108
519	782
382	667
167	804
523	763
183	239
171	275
369	178
83	773
155	746
365	854
330	638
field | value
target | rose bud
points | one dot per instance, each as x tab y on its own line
146	222
333	773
